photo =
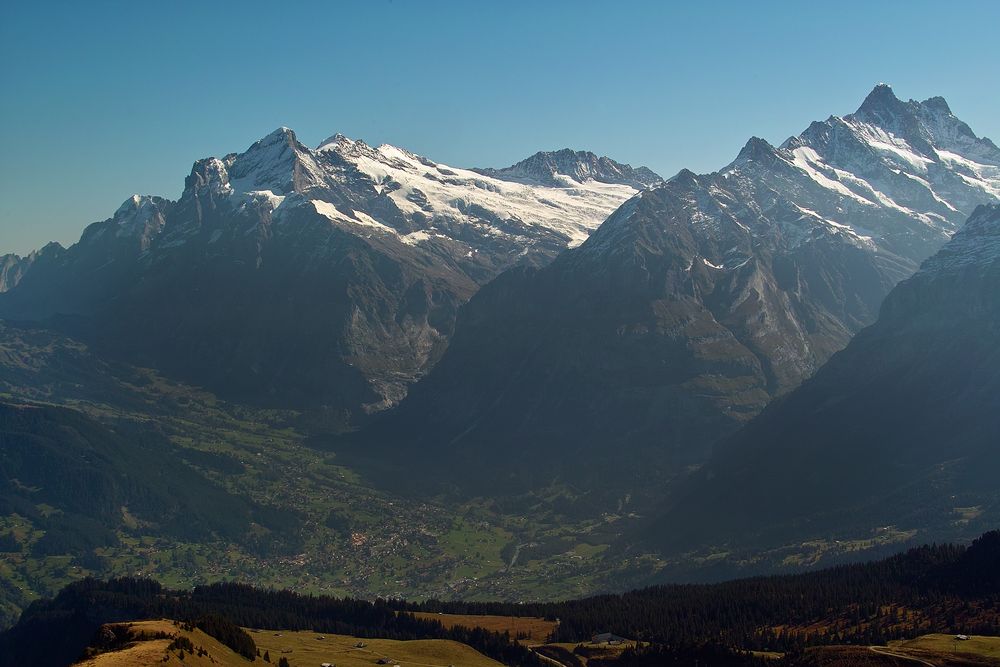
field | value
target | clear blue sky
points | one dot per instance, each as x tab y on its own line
103	99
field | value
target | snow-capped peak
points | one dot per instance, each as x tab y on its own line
684	176
888	174
397	192
281	134
140	217
880	103
278	163
130	205
556	167
337	142
432	197
756	149
908	170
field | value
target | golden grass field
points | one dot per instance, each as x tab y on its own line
933	650
305	649
302	649
976	645
537	629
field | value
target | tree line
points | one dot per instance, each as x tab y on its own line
952	588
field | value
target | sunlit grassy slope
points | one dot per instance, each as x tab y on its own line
301	649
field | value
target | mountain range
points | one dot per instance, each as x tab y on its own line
285	275
340	270
898	429
695	304
600	362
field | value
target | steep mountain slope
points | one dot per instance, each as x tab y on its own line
900	428
81	482
694	304
297	276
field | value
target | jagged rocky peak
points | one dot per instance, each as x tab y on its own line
138	207
546	167
279	142
901	175
209	176
937	104
278	163
343	144
929	125
881	104
129	206
684	176
884	109
952	133
132	228
335	139
281	145
356	150
141	217
756	149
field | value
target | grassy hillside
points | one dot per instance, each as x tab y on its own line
150	648
976	645
310	649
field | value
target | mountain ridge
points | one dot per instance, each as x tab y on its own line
548	166
378	247
690	308
896	429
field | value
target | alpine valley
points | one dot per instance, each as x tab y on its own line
353	370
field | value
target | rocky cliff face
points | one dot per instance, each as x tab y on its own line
12	267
